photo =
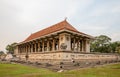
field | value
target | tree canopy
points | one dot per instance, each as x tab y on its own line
103	44
1	52
10	48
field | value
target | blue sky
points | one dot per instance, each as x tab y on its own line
20	18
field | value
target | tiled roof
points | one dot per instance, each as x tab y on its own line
57	27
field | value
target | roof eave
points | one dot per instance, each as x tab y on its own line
55	33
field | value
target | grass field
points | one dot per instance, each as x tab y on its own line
17	70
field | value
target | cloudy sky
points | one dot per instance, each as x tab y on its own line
20	18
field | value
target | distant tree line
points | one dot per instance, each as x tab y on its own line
103	44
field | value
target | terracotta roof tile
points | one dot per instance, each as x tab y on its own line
57	27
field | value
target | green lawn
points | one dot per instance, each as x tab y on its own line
16	70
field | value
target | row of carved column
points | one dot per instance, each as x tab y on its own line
78	45
47	45
39	46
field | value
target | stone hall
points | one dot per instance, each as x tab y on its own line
59	42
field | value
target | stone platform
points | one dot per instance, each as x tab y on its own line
62	56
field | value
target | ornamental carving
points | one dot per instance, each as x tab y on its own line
67	37
63	46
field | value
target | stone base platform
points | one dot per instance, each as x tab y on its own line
65	56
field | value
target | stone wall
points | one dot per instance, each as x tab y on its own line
55	57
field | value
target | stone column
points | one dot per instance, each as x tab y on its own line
31	47
71	44
87	45
58	44
84	46
74	44
27	48
42	45
80	45
16	50
24	49
48	45
19	50
38	46
53	45
35	47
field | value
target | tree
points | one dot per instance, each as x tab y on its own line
115	46
101	44
1	53
118	49
10	48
